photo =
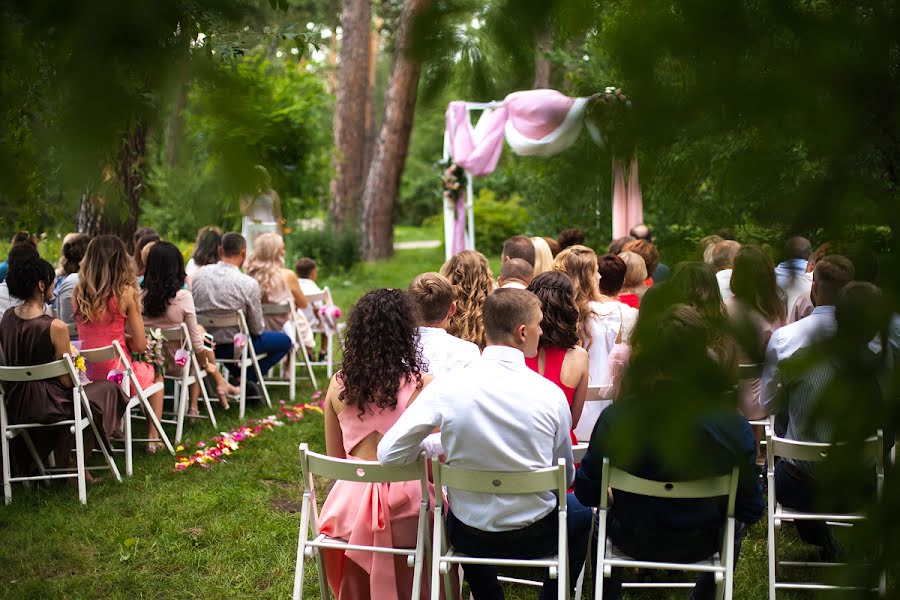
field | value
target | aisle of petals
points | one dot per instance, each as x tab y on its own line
228	442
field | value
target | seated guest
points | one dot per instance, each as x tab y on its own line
648	252
381	377
278	285
813	399
553	244
613	272
543	256
148	237
642	232
61	263
706	246
221	289
560	359
73	253
515	273
694	284
30	337
791	273
616	246
652	437
167	304
723	262
470	275
307	273
634	284
206	249
6	299
106	300
756	310
519	246
498	415
432	296
570	237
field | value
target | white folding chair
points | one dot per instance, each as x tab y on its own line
324	298
753	371
73	331
138	397
777	514
247	357
289	309
191	373
596	401
496	482
312	463
82	419
720	564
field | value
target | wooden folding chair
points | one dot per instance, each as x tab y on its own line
498	482
191	373
290	310
138	397
777	514
247	357
720	564
311	464
82	419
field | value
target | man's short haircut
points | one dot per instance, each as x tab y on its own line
519	246
570	237
832	273
723	254
797	247
615	246
505	310
305	267
612	274
647	251
861	312
641	232
517	268
232	244
432	294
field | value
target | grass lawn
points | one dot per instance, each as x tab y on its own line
229	531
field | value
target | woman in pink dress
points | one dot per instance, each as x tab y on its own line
105	300
382	374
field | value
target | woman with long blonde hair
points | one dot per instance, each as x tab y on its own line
472	281
543	256
278	285
105	300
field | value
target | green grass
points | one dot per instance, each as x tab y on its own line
229	531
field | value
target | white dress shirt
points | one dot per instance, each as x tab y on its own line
444	352
793	279
513	285
495	415
786	341
724	279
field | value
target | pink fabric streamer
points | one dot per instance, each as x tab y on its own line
627	202
459	225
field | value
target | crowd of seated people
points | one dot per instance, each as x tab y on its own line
493	374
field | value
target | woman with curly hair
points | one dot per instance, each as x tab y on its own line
105	300
167	304
472	281
602	321
278	285
382	374
560	359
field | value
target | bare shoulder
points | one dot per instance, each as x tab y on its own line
290	276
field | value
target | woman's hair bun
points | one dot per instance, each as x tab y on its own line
26	270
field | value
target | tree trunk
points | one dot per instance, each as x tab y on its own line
175	126
350	114
542	62
393	143
374	42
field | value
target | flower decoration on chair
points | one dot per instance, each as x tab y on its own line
329	315
80	364
155	354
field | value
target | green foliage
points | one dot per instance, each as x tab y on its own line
333	252
497	219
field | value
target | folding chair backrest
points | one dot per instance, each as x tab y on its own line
317	297
817	452
219	321
597	393
50	370
175	335
101	354
284	308
708	487
750	371
313	463
495	482
578	451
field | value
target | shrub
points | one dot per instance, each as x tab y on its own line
496	220
331	251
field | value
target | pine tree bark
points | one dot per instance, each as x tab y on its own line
393	143
349	115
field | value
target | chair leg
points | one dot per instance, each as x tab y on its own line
199	376
129	445
436	553
181	399
261	381
309	369
4	450
772	541
243	403
600	575
148	411
418	565
300	565
292	376
106	455
77	429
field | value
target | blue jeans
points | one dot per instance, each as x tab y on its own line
274	344
537	540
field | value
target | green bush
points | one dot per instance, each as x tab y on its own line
497	219
331	251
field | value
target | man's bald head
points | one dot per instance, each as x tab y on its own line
641	232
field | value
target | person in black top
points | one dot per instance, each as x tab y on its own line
676	420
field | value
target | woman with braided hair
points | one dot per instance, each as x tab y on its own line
472	281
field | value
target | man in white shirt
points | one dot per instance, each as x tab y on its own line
432	294
791	273
723	261
515	273
498	415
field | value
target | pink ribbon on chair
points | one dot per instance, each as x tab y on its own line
117	376
181	357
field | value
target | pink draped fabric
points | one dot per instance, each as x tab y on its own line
627	202
459	225
537	113
477	155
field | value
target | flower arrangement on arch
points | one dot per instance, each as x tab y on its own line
454	178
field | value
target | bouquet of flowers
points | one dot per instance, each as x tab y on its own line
454	178
155	354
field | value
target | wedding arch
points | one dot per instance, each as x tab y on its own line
539	123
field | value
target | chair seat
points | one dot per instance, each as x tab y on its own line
789	515
325	541
713	564
458	557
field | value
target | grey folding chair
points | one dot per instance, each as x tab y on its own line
83	418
